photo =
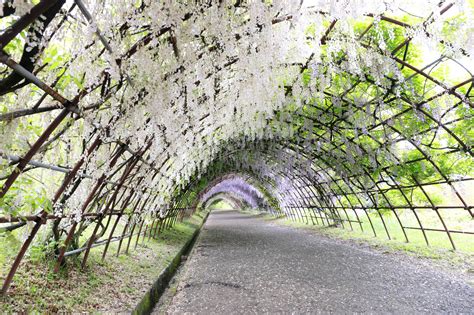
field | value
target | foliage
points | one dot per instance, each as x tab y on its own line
351	105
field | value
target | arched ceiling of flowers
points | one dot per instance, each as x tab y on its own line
360	99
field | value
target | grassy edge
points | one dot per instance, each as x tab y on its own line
452	261
148	302
115	284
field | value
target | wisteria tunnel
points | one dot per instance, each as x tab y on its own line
119	119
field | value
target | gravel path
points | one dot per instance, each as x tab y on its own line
243	264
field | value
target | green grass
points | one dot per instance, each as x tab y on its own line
115	284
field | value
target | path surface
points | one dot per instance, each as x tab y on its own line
243	264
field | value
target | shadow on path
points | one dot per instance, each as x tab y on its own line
243	264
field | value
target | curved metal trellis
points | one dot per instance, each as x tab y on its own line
313	173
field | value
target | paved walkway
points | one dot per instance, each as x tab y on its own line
243	264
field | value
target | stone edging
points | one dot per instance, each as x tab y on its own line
148	302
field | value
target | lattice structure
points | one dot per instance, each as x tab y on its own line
342	114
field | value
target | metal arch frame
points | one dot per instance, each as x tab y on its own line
235	201
132	166
392	208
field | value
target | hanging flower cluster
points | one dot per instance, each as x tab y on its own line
361	96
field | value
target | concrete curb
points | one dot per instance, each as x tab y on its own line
150	299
